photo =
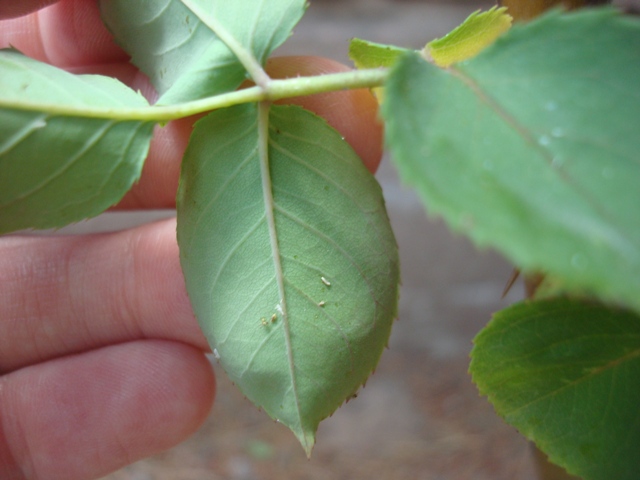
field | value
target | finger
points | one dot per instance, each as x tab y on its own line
67	34
158	183
12	9
67	295
86	415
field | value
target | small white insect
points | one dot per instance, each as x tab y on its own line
325	281
321	303
216	354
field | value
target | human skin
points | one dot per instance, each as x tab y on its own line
102	362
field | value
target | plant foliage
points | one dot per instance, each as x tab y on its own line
532	149
287	251
60	162
289	259
525	141
566	373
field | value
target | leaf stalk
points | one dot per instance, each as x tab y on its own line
273	90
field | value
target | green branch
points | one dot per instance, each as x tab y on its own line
275	90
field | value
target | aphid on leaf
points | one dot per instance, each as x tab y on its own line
325	281
263	321
321	303
274	317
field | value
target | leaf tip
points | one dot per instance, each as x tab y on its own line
307	439
467	40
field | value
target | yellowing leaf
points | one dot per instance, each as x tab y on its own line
476	33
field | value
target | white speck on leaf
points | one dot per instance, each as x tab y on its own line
544	140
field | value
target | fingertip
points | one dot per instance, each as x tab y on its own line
13	9
159	179
86	415
67	34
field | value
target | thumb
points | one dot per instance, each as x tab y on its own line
12	9
85	415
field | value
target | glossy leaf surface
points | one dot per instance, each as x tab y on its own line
57	164
289	259
182	44
532	147
567	375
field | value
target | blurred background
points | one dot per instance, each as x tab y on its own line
419	417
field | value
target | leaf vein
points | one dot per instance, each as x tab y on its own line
88	145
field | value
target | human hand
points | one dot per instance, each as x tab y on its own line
102	360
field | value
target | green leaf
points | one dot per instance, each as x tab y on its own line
532	147
57	165
475	34
367	54
289	258
567	375
190	55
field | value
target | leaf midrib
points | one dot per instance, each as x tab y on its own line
267	191
624	242
633	355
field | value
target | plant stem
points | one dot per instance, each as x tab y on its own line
300	86
274	90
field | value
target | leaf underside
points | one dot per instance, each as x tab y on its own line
566	374
181	54
532	147
298	310
57	169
